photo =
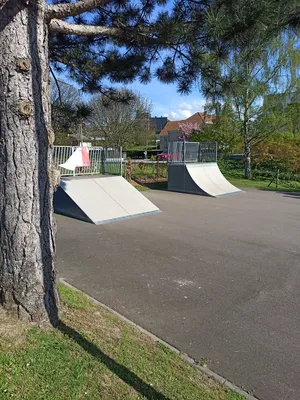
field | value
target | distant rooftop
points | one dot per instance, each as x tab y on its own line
197	118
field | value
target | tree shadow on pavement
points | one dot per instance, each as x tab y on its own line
120	370
293	195
155	185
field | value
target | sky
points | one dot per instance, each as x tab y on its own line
167	102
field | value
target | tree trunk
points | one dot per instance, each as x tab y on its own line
247	147
27	272
247	151
247	166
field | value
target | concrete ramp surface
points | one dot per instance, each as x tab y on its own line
204	179
100	200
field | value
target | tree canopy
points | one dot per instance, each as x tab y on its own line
102	42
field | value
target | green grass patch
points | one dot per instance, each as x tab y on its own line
263	184
95	355
74	299
141	188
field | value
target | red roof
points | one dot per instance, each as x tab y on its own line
198	118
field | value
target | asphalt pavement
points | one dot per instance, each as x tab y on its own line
217	278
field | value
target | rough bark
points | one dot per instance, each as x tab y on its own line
246	119
247	166
27	272
247	149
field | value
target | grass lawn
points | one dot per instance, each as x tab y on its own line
263	184
145	172
140	188
95	355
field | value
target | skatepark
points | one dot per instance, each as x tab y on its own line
93	189
193	168
215	277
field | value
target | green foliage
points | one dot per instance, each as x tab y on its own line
257	70
149	172
279	153
225	131
292	117
280	115
263	171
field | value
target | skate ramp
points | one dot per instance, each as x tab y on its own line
204	179
100	200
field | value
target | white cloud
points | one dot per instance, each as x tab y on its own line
179	114
186	106
186	109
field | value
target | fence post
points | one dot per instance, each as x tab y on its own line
74	172
183	152
102	161
121	160
277	178
199	153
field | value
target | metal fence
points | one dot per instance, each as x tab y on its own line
192	152
103	160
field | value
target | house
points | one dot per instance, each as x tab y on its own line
158	123
172	131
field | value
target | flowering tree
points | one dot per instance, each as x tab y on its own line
187	128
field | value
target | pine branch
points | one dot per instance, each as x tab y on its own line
59	26
59	11
293	19
57	85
